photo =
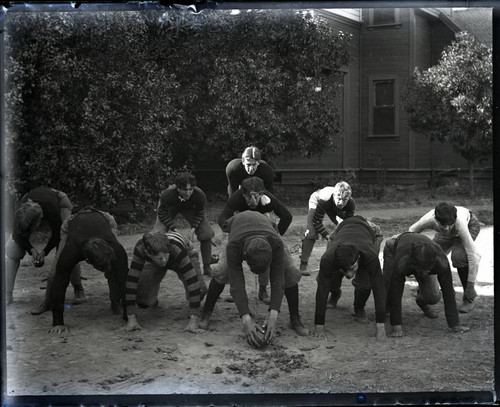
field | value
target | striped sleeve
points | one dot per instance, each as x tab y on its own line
313	200
133	275
317	221
185	269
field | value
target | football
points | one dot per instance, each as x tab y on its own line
39	263
263	343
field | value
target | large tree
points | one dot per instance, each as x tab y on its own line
452	101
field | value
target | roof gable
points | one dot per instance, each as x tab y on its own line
475	20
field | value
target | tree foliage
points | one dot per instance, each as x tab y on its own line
110	105
452	101
89	111
250	79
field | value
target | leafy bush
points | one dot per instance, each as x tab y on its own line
79	120
108	106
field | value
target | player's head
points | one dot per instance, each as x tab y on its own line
157	247
185	183
251	159
27	217
346	258
99	254
341	194
446	215
252	189
422	258
258	254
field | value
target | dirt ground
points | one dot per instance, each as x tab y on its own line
98	358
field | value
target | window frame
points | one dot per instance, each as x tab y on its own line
396	24
371	99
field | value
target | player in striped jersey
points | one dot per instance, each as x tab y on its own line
181	241
332	201
153	255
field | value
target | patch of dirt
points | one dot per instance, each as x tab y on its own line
98	358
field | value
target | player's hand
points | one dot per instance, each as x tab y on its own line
319	332
397	331
191	234
58	329
270	326
265	200
380	335
132	324
193	325
34	253
253	331
38	258
459	329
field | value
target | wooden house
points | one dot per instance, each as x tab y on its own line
377	143
387	45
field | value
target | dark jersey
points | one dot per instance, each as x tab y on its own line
236	173
268	203
357	231
49	201
401	269
84	225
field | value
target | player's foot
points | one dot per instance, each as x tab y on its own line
360	316
44	306
298	326
428	311
467	306
303	269
204	320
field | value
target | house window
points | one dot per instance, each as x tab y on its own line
383	17
383	107
384	114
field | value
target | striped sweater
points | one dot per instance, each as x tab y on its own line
178	261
